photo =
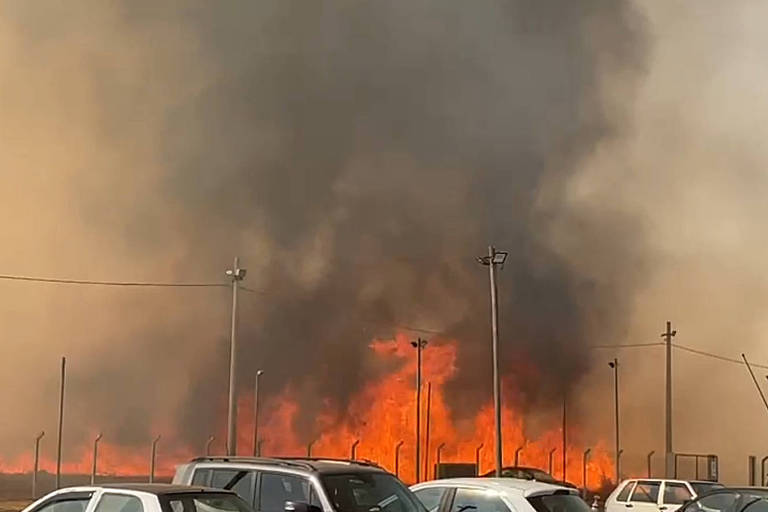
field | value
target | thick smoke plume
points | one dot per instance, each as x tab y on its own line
357	156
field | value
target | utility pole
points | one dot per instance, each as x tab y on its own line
669	458
61	421
95	457
495	258
237	274
152	458
419	345
615	365
426	435
259	373
36	464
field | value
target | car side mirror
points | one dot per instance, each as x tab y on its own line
296	506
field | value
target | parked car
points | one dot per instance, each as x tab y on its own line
524	473
302	485
730	500
497	495
139	498
646	495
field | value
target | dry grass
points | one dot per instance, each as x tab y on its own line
12	506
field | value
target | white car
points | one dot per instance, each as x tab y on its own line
654	495
497	495
139	498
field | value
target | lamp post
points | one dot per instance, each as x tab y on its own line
584	461
517	454
152	458
552	460
208	444
236	274
495	258
36	466
615	366
259	373
95	457
419	345
477	458
353	454
437	458
397	457
650	458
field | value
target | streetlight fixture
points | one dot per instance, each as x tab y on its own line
495	258
615	366
236	274
259	373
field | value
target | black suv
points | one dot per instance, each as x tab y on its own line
302	484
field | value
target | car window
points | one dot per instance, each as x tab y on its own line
75	502
369	492
676	493
559	503
701	488
431	497
202	477
646	491
624	494
477	500
203	502
718	502
276	489
240	481
119	503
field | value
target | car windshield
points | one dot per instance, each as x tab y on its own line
204	502
369	492
701	488
558	503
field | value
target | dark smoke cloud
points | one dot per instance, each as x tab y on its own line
357	156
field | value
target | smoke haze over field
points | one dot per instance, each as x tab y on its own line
357	156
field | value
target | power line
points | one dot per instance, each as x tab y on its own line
628	345
716	356
56	280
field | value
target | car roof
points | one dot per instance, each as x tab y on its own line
514	486
159	489
156	489
314	465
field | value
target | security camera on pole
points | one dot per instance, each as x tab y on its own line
237	274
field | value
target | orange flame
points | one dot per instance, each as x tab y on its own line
380	416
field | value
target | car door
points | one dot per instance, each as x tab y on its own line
467	499
618	499
645	496
674	495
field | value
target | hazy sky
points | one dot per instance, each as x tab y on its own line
357	157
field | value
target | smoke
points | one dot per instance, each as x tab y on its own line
356	156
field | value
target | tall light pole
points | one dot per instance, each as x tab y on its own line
236	274
615	365
259	373
477	458
61	421
419	345
95	457
36	464
495	258
426	434
208	444
397	457
552	461
669	458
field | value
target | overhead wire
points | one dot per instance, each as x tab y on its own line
717	356
56	280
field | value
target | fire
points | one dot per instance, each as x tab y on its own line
380	416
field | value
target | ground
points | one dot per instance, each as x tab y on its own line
12	505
